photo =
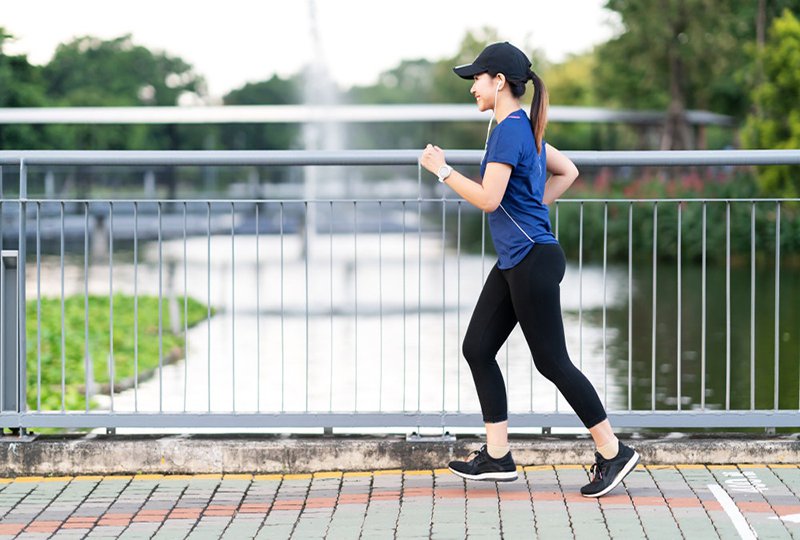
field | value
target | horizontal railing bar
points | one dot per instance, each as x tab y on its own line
448	200
633	419
259	114
384	157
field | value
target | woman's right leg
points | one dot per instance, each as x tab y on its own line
492	321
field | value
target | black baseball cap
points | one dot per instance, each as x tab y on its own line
500	57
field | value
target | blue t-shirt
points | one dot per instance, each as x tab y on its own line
512	143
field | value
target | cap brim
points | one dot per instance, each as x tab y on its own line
467	71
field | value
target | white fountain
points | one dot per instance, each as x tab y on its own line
320	92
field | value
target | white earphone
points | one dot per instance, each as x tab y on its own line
494	108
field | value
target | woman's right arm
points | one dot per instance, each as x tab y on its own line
563	173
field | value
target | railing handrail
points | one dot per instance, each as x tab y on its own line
346	114
616	158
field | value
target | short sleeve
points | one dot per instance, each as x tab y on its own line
504	147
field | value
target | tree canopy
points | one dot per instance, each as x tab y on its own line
682	54
776	122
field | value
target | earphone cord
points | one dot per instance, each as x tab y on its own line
486	147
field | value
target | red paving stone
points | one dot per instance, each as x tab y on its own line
320	502
254	508
754	506
222	513
578	498
114	522
712	506
515	496
786	509
384	497
615	500
482	494
684	502
45	524
647	501
418	492
41	528
186	512
148	519
450	493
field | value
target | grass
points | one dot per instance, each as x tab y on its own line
129	354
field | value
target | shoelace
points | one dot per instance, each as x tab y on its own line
596	470
476	453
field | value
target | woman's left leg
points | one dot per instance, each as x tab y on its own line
535	292
536	296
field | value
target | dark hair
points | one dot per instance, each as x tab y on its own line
539	103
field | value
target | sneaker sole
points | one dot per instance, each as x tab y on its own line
488	477
620	476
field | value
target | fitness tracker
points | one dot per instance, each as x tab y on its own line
444	172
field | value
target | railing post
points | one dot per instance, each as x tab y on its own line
21	313
8	332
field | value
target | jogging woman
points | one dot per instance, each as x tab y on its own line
523	287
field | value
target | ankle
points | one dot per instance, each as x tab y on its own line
497	451
610	449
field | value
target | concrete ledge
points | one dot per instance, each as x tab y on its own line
196	454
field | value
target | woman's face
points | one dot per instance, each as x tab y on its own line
483	89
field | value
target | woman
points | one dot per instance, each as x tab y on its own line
523	287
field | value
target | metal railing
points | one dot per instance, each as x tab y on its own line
349	312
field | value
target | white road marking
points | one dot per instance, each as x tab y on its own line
791	518
742	527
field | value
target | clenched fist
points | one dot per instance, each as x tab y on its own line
432	158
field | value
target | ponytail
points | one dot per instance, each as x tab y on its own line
539	105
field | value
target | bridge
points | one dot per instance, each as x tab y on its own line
345	315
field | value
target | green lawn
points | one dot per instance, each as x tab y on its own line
125	346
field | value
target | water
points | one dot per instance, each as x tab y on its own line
369	337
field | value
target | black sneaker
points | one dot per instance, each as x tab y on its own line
485	467
608	473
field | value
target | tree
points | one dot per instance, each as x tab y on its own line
92	72
776	124
275	91
681	54
20	86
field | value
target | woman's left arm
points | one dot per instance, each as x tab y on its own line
564	172
486	195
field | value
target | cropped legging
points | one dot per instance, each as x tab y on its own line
527	294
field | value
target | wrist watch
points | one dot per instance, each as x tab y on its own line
444	172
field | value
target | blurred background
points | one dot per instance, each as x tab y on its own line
735	60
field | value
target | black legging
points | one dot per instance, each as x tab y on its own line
529	294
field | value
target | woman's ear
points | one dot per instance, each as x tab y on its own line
501	81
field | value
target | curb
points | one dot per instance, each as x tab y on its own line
203	454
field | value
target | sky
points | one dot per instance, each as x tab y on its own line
234	42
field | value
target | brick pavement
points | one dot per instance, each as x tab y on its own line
659	501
